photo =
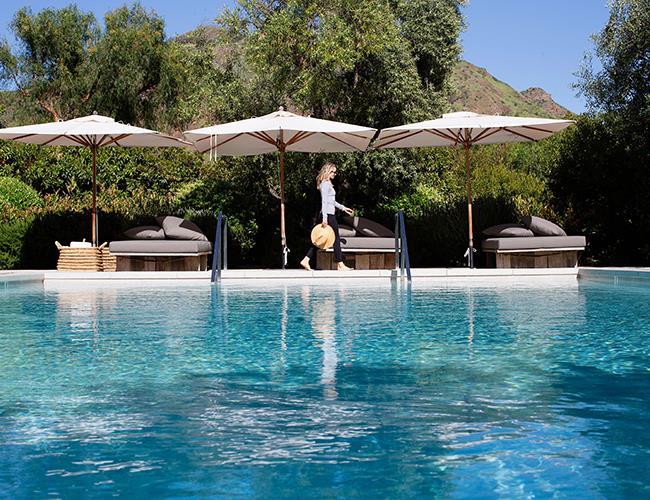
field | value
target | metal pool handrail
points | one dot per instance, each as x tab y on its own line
401	246
220	248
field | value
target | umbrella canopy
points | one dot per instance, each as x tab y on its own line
467	129
279	132
94	132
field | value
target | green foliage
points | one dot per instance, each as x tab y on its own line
602	180
623	48
12	239
68	67
601	184
134	61
17	195
350	60
52	66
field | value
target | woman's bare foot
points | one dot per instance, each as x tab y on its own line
305	264
342	267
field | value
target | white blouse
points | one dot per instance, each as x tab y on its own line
328	200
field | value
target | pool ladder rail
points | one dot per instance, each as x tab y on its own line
220	253
402	259
220	248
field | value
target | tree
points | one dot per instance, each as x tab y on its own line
133	64
623	47
69	67
51	66
602	179
350	60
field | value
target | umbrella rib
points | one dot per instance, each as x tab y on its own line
436	132
402	136
79	140
102	140
520	134
216	146
467	138
530	127
23	137
358	136
299	137
268	137
113	140
46	143
341	141
397	134
262	136
295	138
486	133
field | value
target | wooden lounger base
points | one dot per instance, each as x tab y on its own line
358	259
523	259
162	262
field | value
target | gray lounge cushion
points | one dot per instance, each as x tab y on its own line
180	229
507	231
369	243
542	227
162	247
145	233
535	242
366	227
346	231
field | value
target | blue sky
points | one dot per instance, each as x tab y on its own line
525	43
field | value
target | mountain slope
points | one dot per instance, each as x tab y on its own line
474	89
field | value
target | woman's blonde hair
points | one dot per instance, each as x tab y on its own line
325	171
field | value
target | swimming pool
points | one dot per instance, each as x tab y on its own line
310	391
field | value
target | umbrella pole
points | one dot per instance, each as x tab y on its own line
94	214
283	235
470	250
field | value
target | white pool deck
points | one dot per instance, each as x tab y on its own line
614	275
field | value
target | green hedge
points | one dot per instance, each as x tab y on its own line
13	237
135	185
17	195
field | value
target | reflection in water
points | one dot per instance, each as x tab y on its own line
470	315
284	321
78	310
323	324
324	328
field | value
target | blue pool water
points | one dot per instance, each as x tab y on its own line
299	391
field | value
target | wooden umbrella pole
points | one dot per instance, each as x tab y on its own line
283	236
468	173
94	214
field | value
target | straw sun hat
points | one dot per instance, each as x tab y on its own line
322	237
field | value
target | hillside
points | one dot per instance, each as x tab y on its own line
474	89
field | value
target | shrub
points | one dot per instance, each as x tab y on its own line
15	194
12	239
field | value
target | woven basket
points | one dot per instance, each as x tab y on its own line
108	261
79	259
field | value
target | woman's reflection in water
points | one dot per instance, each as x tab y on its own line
323	320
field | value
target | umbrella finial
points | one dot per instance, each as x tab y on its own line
281	108
95	112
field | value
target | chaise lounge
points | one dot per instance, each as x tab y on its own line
174	245
534	243
365	245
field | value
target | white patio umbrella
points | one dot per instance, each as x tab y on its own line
466	129
94	132
280	131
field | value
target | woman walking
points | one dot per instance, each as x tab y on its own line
328	209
